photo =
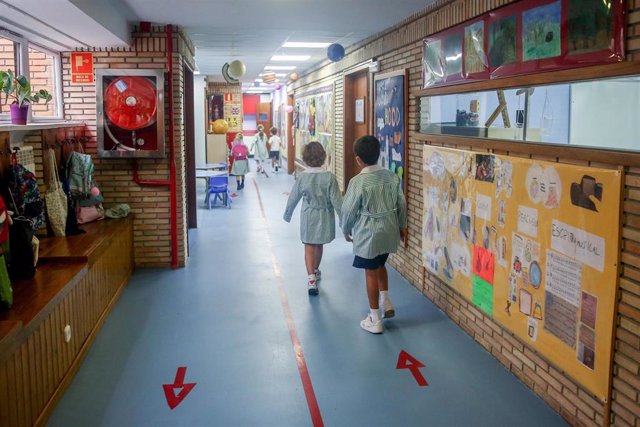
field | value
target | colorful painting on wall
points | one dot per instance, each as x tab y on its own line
541	32
526	37
502	42
475	58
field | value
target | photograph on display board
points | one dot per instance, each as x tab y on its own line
313	121
390	121
475	57
505	233
541	32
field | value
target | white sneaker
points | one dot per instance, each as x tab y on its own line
312	287
386	307
370	326
318	274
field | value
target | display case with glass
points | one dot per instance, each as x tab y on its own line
597	113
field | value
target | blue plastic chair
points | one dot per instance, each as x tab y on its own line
219	188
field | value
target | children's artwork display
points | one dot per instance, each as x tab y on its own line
391	121
313	121
524	37
532	244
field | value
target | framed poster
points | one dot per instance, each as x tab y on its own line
360	114
215	109
391	122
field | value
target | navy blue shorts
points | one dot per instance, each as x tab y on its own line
274	155
370	263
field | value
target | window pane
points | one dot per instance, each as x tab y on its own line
42	75
8	61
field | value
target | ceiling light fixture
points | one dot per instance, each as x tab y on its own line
280	67
311	45
290	57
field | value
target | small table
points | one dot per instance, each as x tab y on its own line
211	166
206	174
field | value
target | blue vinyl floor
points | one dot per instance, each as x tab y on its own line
223	318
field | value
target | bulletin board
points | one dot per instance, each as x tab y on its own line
313	121
532	244
391	96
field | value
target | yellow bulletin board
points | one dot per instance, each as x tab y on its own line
534	245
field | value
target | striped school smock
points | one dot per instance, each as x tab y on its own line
374	211
320	196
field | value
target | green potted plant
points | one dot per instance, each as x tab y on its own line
19	89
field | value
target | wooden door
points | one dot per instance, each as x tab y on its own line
357	118
263	116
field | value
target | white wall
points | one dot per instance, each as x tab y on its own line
605	114
199	85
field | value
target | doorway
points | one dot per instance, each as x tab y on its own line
357	118
190	147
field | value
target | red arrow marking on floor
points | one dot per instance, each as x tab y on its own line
174	399
407	361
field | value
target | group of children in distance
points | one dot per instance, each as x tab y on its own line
373	216
240	154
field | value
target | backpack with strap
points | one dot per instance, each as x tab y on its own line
240	152
24	190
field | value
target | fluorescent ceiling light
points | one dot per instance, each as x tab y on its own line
290	57
311	45
280	67
277	74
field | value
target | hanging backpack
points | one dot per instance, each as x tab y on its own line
26	196
21	257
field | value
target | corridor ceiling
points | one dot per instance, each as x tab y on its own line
222	30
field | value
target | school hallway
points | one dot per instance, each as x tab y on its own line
262	351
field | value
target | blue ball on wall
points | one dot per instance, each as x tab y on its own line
335	52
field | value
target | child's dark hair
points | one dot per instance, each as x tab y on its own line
368	149
274	131
313	154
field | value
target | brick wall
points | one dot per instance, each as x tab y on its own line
400	47
7	61
150	205
42	75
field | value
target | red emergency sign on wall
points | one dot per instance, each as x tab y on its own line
81	68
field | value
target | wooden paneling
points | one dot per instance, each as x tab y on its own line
79	294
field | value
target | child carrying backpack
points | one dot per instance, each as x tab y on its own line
240	160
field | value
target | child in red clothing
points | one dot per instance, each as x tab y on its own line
240	161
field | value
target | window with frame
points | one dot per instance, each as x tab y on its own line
9	55
40	65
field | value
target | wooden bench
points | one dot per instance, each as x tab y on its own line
78	280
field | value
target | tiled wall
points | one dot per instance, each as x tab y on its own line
149	204
400	47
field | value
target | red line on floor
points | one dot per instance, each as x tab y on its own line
312	402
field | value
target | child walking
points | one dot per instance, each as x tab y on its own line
319	190
240	161
259	148
374	216
274	149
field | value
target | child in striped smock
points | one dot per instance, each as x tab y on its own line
374	217
320	196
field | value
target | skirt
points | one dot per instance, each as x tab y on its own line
240	167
